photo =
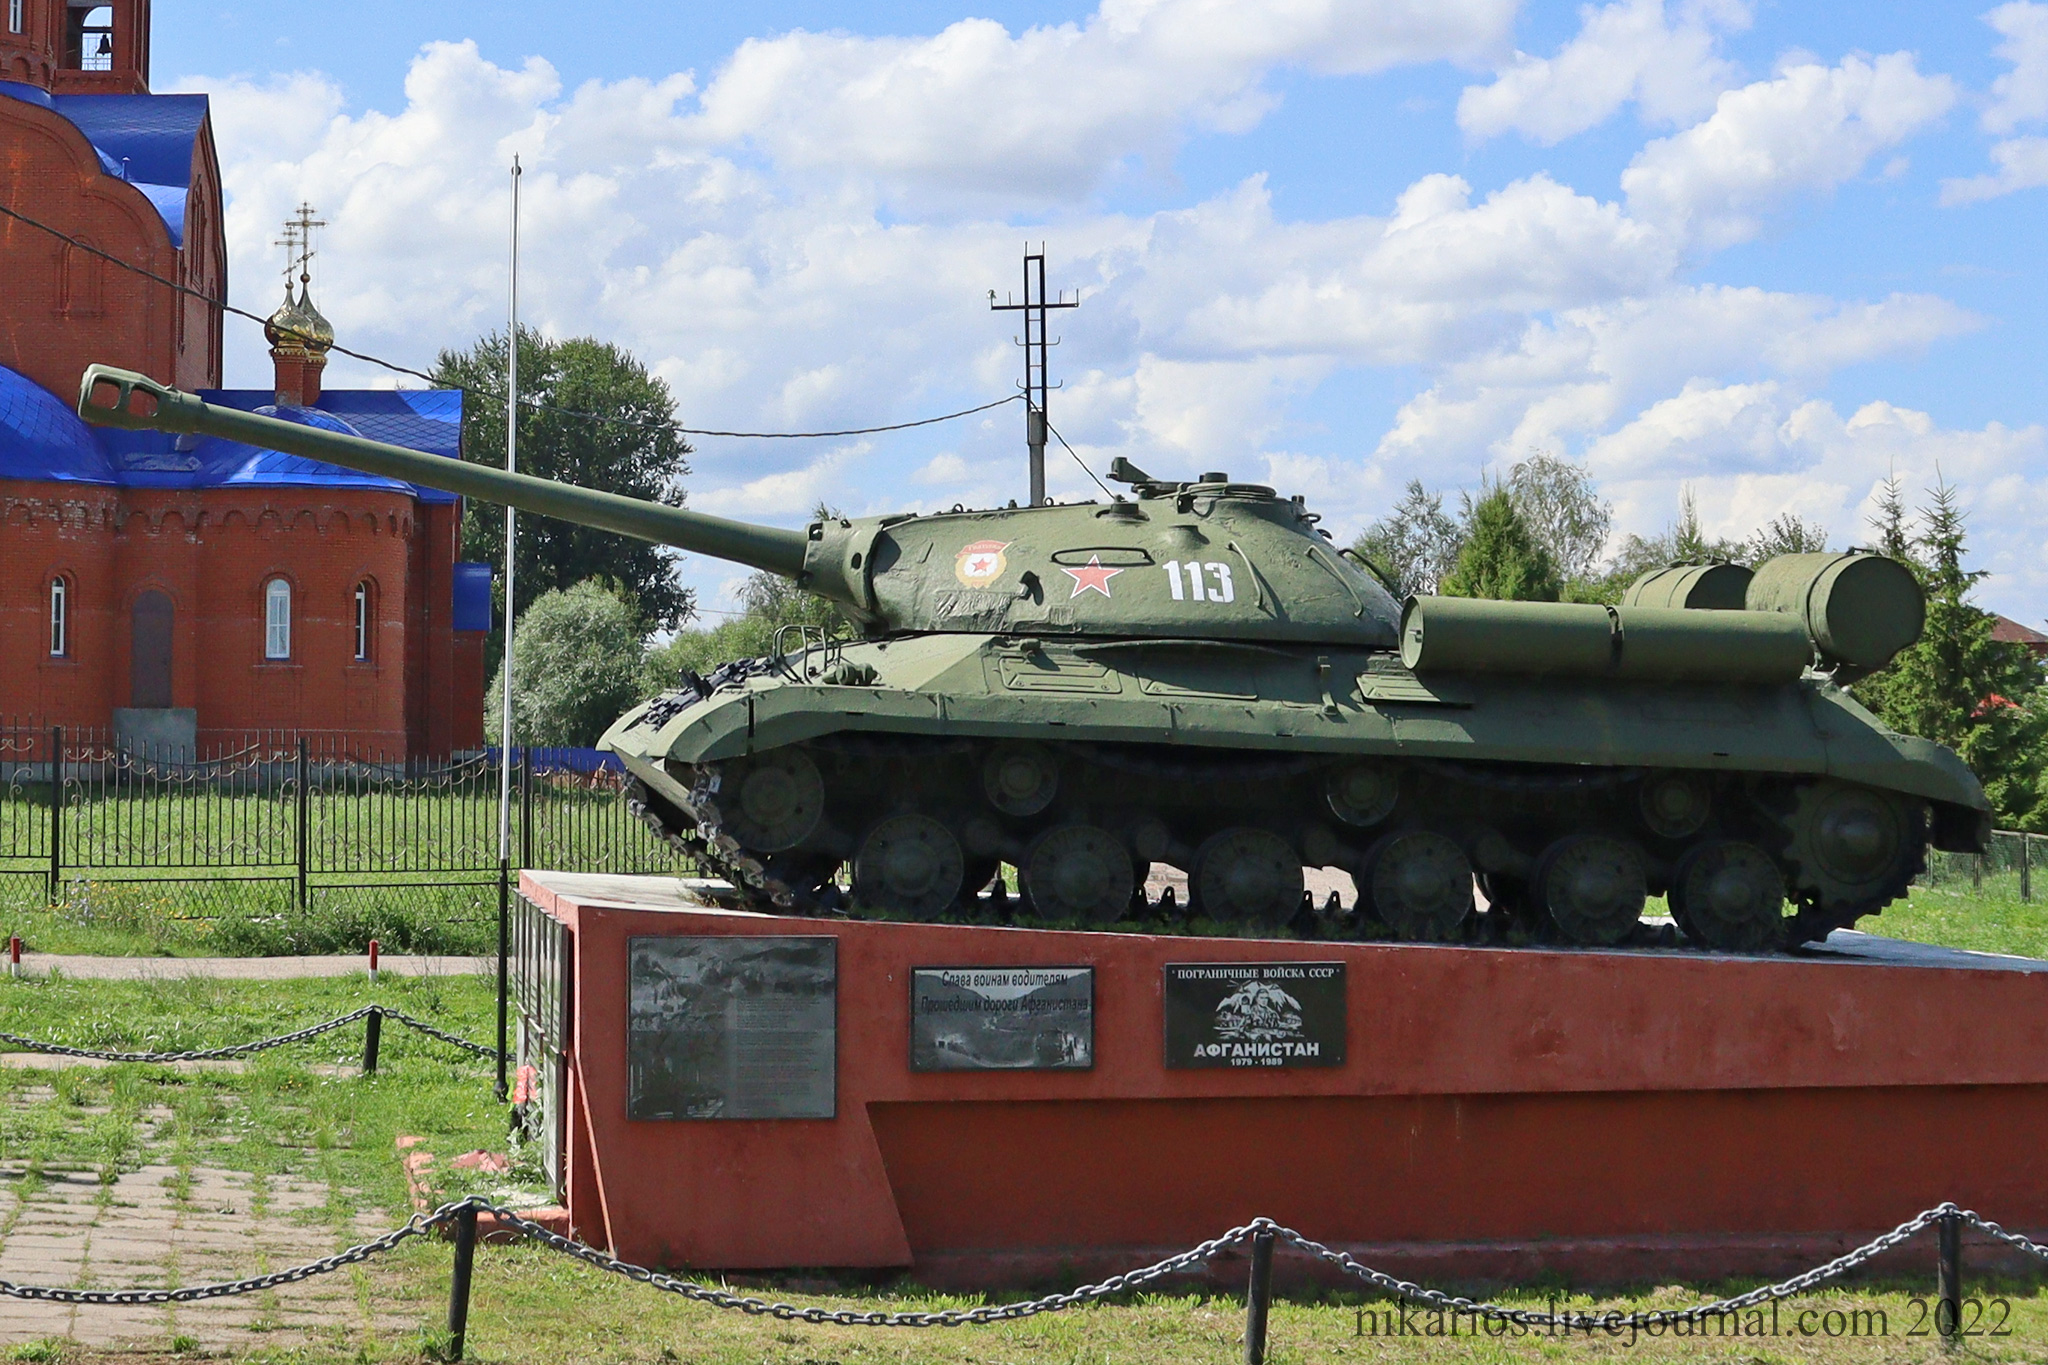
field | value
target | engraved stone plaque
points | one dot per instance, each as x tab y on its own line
739	1027
1002	1018
1240	1014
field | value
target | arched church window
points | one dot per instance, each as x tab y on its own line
14	16
277	619
364	608
60	617
89	37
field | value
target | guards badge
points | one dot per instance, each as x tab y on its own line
981	563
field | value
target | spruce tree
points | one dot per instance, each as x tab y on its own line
1500	558
1957	685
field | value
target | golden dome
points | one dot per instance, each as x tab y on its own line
319	332
297	326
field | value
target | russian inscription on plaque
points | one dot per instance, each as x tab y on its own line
1254	1014
1002	1018
732	1028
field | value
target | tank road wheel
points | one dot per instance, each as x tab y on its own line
1853	850
772	801
1020	779
1078	872
1730	896
1593	886
910	864
1676	805
1246	874
1362	794
1419	884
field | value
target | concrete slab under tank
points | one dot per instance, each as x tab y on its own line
1499	1113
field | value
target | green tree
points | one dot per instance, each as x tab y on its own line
577	655
1788	534
1684	541
632	448
1500	558
768	602
1415	544
1957	685
1564	513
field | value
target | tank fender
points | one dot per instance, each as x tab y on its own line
1861	749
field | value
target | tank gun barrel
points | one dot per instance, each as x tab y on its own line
121	398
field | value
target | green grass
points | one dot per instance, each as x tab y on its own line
247	918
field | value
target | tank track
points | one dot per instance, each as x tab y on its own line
696	830
703	840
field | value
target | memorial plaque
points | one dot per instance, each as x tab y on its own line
739	1027
1002	1018
1254	1014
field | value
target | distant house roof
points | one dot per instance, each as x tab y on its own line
42	439
2006	629
143	139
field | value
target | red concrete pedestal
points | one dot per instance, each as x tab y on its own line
1499	1112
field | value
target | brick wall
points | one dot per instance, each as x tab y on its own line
212	553
63	308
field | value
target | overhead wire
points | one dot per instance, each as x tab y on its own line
439	382
1079	461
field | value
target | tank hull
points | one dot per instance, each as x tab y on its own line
1163	748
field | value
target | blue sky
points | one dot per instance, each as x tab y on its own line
1761	251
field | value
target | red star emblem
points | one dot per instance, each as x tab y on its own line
1091	577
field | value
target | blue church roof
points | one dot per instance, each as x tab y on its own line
41	438
143	139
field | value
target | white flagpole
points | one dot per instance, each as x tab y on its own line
505	702
511	541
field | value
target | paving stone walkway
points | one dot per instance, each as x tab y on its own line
158	1227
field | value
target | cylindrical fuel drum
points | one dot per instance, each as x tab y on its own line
1478	635
1714	587
1564	639
1860	609
1674	644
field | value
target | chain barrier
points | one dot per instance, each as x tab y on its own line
420	1225
423	1224
212	1054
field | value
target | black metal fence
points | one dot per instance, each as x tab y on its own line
2008	869
318	814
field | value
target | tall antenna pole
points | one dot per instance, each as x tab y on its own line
1036	345
511	539
505	702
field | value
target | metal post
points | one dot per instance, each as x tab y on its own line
458	1284
2026	868
504	953
302	809
1258	1299
56	811
373	1036
505	727
1977	871
1948	1276
526	807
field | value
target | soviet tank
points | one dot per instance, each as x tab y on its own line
1193	673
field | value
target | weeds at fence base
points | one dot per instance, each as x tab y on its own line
249	918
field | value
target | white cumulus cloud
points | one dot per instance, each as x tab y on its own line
1668	63
977	110
1802	133
2018	97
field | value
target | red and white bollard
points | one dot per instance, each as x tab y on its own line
373	961
14	955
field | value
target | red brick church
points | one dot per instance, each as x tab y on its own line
192	590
